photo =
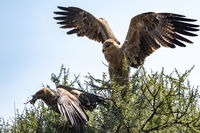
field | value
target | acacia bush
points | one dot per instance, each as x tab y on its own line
155	102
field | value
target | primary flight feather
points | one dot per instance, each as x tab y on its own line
147	32
69	102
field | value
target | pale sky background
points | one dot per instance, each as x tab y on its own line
32	46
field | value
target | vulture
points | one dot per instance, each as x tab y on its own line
147	33
69	102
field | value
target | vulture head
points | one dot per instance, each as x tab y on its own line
110	45
45	94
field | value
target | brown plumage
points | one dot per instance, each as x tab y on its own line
147	32
69	102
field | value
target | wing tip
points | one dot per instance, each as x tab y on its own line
61	7
55	18
58	13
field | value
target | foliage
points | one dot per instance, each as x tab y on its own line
36	119
154	102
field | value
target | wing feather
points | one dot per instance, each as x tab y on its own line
148	31
88	100
70	107
84	24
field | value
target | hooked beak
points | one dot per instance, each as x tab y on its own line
33	100
104	50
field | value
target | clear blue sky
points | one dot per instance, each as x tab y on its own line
32	46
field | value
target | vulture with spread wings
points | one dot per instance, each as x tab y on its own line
147	32
69	102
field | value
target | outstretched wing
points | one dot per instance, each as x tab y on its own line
84	24
88	100
150	31
69	106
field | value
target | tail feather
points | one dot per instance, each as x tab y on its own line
90	101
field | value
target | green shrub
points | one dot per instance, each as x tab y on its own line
154	102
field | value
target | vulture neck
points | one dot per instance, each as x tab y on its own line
51	100
115	59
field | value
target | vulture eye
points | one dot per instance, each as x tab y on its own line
108	45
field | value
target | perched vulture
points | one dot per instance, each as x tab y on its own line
147	32
69	102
